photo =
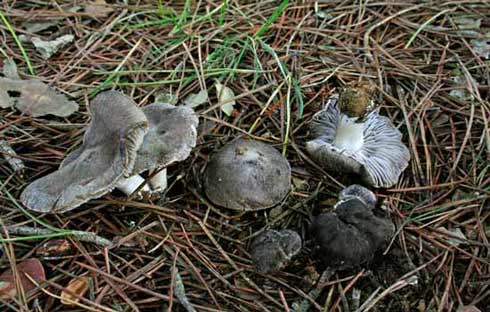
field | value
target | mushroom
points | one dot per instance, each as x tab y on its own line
107	154
364	194
371	148
272	250
247	175
171	136
351	235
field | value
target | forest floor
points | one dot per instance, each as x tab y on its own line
429	65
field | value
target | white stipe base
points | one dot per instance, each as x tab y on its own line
131	184
159	182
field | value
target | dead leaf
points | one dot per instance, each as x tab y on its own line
481	47
468	308
35	98
48	48
196	99
54	249
166	98
456	235
10	69
34	26
226	98
77	287
31	267
98	8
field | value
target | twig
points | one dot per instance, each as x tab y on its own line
43	233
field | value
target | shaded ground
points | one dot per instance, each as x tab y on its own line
281	62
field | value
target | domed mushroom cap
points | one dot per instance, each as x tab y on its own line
372	148
247	175
272	250
108	153
358	191
171	136
351	235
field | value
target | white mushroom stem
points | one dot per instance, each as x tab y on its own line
131	184
159	181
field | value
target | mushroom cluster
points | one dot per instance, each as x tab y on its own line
358	140
352	234
120	142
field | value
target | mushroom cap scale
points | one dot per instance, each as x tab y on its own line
372	148
108	152
247	175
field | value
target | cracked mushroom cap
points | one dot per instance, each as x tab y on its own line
247	175
372	148
171	136
272	250
108	153
351	235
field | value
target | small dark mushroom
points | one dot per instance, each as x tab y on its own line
247	175
364	194
351	235
272	250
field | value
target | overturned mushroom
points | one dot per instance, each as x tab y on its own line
371	148
272	250
247	175
351	235
171	136
108	153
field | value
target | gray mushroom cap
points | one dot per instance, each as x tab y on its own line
358	191
351	235
108	153
372	148
171	136
272	250
247	175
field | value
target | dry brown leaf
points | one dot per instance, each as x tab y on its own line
34	97
54	249
77	286
31	267
98	8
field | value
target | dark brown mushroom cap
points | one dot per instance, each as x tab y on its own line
351	235
273	249
247	175
108	153
358	191
171	136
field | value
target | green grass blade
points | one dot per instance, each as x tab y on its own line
19	44
272	18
